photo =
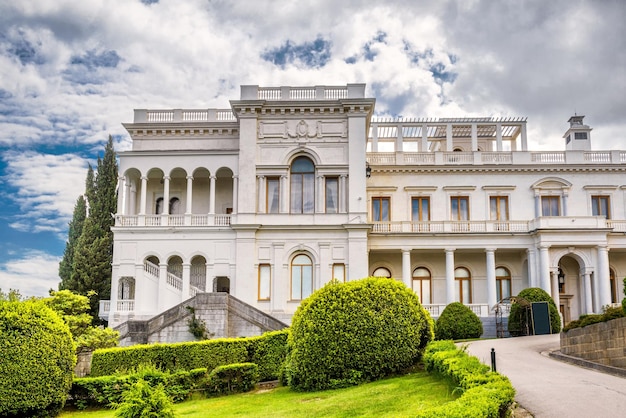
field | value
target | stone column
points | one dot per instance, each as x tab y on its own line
492	297
532	267
189	204
406	268
284	195
424	142
261	194
166	195
374	137
144	193
162	286
342	193
524	139
565	211
554	277
320	198
235	193
474	137
498	137
537	205
449	139
544	273
212	196
587	286
603	278
186	282
121	195
450	297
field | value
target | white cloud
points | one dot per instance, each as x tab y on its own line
47	187
33	274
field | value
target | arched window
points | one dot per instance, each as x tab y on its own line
126	289
422	284
301	277
463	289
198	272
302	186
503	283
174	206
159	206
382	272
175	266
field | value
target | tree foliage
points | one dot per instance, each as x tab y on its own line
74	232
37	360
347	333
86	265
74	310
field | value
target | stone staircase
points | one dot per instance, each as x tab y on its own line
223	314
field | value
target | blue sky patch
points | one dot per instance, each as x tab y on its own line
92	59
367	52
24	51
314	54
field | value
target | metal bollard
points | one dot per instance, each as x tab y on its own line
493	360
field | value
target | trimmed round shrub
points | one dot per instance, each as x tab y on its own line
143	400
348	333
458	322
37	360
517	318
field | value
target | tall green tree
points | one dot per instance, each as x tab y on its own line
93	253
74	232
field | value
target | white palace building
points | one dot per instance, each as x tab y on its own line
293	186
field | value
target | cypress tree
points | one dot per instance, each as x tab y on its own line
93	254
74	232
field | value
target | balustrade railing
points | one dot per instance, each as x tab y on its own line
125	305
151	268
174	281
172	220
450	226
435	309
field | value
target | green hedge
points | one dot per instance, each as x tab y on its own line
584	320
268	351
37	358
232	378
485	393
109	390
458	322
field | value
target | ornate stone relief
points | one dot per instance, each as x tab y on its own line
302	130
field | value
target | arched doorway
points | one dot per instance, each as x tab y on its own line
571	292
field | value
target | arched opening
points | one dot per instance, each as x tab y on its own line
302	181
382	272
126	289
422	284
613	281
503	283
571	299
463	288
175	266
198	273
301	277
224	191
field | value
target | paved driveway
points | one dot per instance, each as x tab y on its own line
550	388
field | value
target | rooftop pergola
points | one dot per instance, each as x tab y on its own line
430	133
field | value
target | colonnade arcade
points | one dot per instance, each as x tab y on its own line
582	278
178	197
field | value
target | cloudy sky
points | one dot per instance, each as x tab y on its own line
71	71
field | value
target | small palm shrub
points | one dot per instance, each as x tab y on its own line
37	360
532	294
143	400
348	333
458	322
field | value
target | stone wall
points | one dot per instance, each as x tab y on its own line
603	343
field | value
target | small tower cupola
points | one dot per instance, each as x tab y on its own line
578	136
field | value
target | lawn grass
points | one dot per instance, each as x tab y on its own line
394	397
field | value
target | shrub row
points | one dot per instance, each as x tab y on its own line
584	320
485	393
109	390
268	351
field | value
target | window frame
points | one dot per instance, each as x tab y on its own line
498	209
261	285
459	199
382	268
420	214
292	267
459	282
269	202
551	198
342	266
306	181
381	200
596	207
499	280
337	196
421	280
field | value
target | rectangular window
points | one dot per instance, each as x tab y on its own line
380	209
264	281
550	206
273	195
600	206
332	194
420	209
499	208
459	208
463	291
339	272
580	135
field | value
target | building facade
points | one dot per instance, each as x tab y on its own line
293	186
